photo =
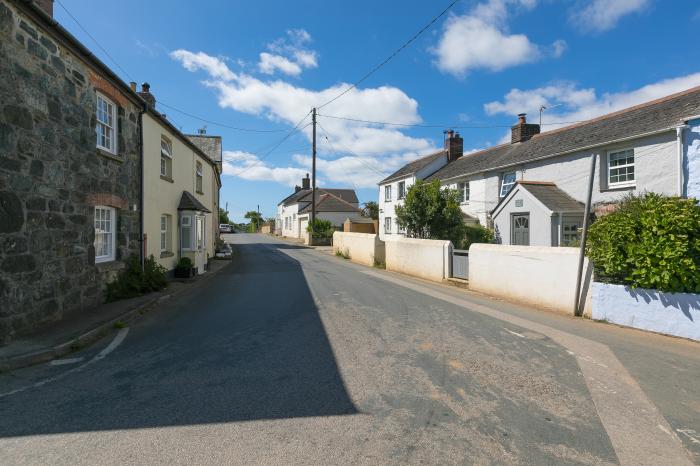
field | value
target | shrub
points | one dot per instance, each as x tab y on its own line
650	241
476	234
184	263
321	228
133	281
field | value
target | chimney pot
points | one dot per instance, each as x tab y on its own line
46	6
454	145
306	182
147	96
145	87
523	131
132	85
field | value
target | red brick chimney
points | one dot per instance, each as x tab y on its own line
306	182
147	96
523	130
454	145
46	6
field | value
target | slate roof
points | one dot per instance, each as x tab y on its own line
331	200
189	202
413	167
551	196
294	197
210	145
655	116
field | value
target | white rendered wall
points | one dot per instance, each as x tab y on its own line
540	219
363	248
424	258
542	277
671	313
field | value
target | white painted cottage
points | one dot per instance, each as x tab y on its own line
294	211
651	147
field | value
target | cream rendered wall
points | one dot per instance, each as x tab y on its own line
163	197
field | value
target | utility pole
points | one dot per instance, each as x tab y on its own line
313	171
584	236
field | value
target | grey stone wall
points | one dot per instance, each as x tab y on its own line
52	175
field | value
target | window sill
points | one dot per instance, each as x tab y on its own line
200	192
109	265
166	178
108	155
164	254
625	187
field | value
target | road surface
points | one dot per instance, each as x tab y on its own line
293	356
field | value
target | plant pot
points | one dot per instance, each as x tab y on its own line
189	272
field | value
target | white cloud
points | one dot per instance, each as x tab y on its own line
270	63
481	40
384	148
603	15
567	102
290	54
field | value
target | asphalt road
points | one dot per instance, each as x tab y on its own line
292	356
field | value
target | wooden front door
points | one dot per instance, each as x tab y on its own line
520	229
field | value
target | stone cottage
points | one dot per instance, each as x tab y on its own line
69	171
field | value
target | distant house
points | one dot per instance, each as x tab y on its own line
651	147
294	212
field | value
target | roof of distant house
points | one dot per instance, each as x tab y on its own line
329	200
413	167
347	195
209	144
648	118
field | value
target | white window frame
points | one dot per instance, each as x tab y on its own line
166	155
620	184
399	230
401	192
387	225
199	178
387	193
504	192
463	188
105	217
200	240
165	233
110	111
186	223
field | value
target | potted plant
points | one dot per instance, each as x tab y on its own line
184	268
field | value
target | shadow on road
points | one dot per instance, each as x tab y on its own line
247	344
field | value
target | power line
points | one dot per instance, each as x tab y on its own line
419	125
293	131
390	57
351	152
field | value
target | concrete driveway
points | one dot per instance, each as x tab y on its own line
292	356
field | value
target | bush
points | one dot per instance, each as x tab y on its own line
184	263
133	281
321	228
476	234
651	241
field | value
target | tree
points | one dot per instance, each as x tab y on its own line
320	228
223	216
431	212
255	220
371	210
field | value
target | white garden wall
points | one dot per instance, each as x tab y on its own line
424	258
363	248
671	313
543	277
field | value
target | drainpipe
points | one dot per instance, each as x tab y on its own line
141	173
679	140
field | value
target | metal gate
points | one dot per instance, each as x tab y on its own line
460	264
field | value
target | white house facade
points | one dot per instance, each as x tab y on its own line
652	147
334	205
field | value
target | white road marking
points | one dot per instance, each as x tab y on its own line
101	355
691	434
514	333
63	362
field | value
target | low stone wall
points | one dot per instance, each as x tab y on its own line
543	277
670	313
361	247
424	258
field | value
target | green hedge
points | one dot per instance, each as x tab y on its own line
321	228
651	241
476	234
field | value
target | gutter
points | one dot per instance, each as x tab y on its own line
558	154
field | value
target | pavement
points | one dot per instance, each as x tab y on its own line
292	356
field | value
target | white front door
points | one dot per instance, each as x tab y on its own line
200	256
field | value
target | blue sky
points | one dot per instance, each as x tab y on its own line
263	66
